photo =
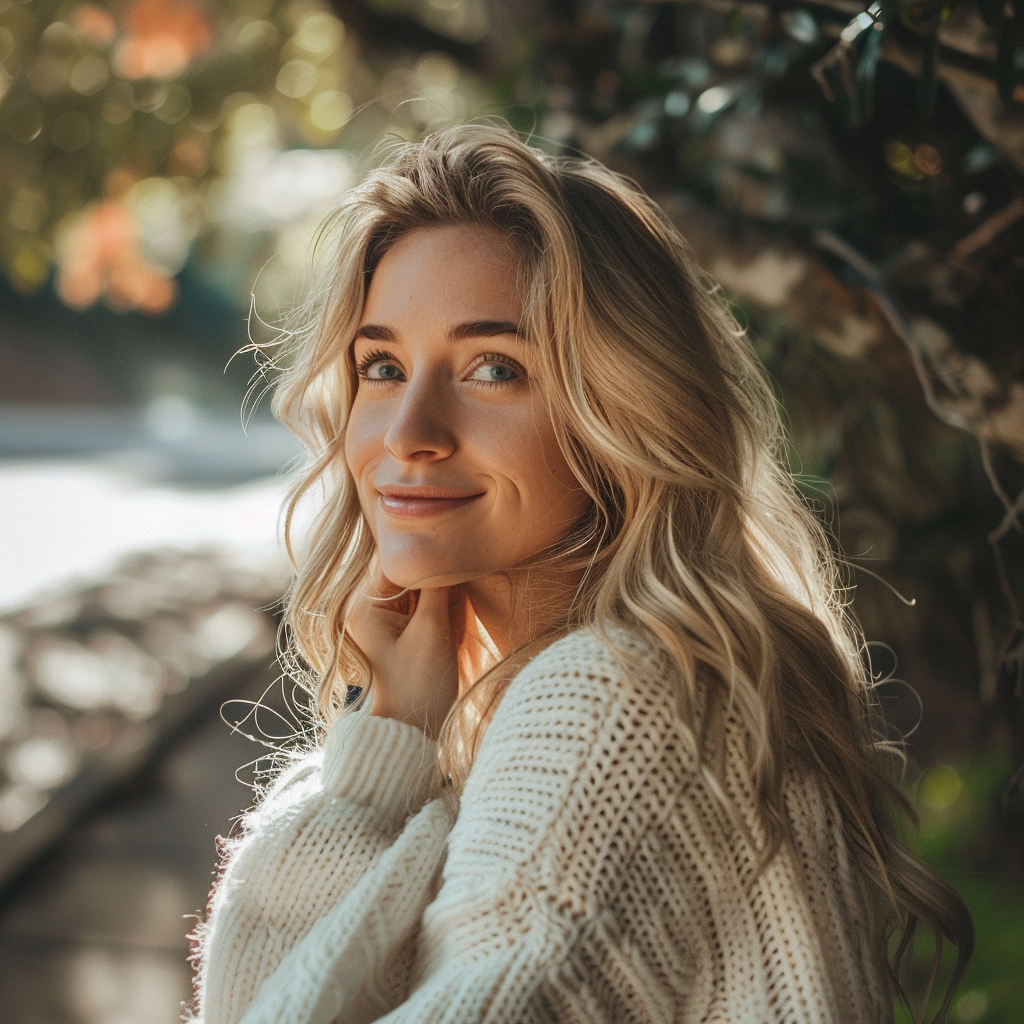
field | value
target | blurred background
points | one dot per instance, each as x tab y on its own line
853	177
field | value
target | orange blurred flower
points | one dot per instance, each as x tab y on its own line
161	38
188	157
95	25
98	255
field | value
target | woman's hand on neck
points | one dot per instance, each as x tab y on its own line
429	646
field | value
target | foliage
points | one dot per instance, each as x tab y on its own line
131	130
960	813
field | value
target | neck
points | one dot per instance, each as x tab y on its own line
510	609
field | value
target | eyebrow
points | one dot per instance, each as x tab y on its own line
460	332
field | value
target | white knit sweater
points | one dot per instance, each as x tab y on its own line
588	875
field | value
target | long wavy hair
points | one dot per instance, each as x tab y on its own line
695	531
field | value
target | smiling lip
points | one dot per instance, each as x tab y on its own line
416	502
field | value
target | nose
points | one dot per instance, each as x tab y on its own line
421	428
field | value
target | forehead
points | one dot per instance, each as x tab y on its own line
444	276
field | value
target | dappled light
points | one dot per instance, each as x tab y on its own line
161	38
99	254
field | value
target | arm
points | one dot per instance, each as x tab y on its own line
581	760
314	840
314	835
575	767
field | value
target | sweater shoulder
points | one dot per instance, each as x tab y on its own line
595	695
599	666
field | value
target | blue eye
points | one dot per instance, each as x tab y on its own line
495	372
382	371
378	366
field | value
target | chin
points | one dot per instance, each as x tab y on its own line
429	580
420	573
415	575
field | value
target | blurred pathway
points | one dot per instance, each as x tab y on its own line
80	488
66	522
138	553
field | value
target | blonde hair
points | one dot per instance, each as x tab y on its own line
695	533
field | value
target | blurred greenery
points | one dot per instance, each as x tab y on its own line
138	136
852	175
959	807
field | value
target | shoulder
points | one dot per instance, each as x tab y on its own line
607	695
592	669
580	759
292	783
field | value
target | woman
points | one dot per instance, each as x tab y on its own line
608	753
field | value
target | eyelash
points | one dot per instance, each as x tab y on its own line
364	364
378	356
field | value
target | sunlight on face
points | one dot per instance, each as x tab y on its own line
449	441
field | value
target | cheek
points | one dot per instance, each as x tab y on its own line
362	441
362	450
352	452
546	484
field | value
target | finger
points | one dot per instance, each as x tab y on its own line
431	632
369	620
432	605
431	619
377	586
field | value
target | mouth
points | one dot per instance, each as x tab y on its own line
420	502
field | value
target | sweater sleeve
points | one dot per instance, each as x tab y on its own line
308	843
577	763
580	761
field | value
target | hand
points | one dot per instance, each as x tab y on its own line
411	639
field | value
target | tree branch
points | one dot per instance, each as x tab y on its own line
385	30
872	280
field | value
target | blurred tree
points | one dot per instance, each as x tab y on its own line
130	130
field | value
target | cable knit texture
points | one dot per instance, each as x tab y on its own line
587	875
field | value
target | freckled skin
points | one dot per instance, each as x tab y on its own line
459	413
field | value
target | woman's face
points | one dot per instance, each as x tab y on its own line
449	440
